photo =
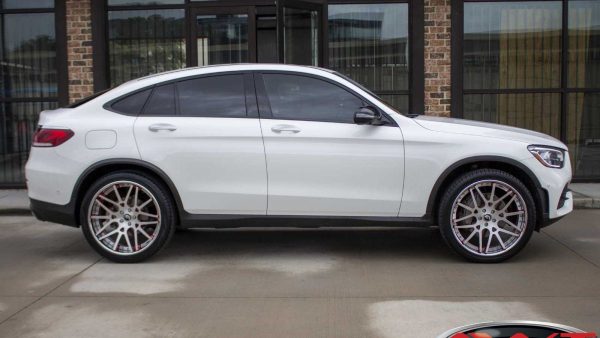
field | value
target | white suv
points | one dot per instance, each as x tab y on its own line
280	145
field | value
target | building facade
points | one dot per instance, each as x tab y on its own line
533	64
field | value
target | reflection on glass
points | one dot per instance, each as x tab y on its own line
583	134
300	38
512	44
28	61
14	4
18	122
143	2
145	42
369	43
584	44
222	39
536	111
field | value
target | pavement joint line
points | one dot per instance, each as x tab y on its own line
49	292
570	249
108	296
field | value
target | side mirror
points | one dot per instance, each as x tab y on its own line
368	115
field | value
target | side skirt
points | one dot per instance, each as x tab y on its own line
253	221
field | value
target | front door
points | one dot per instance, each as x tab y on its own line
319	161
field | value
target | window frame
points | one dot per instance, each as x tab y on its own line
264	105
457	70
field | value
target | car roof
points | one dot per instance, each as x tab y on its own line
192	71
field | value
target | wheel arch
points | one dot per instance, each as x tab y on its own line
101	168
513	167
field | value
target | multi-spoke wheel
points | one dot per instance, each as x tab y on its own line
127	217
487	215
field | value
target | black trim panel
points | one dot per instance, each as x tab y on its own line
56	213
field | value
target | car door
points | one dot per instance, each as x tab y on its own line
205	135
319	161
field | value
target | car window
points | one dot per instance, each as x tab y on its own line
213	96
162	101
298	97
132	104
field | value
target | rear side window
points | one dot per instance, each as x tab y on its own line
162	101
213	96
132	104
295	97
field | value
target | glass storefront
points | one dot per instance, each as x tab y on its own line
28	69
513	64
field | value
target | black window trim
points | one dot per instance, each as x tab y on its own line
264	105
251	111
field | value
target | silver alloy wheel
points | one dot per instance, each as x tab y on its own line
488	217
124	217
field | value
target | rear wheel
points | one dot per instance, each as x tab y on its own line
127	217
487	215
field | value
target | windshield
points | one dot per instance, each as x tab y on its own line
368	91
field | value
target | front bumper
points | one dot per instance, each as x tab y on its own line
55	213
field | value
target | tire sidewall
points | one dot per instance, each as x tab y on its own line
165	204
444	214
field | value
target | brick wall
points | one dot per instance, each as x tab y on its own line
79	49
437	57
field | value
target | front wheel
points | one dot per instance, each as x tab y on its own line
487	215
127	216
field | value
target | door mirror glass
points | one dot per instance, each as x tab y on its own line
368	115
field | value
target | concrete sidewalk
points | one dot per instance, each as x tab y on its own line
16	202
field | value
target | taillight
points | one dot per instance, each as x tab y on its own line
46	137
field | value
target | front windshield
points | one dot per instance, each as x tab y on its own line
387	104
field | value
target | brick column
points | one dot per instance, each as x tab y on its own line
437	57
79	49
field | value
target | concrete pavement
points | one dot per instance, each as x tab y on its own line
291	283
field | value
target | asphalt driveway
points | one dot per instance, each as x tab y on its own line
291	283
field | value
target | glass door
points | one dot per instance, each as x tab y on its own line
300	32
222	35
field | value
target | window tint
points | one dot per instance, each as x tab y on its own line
132	104
304	98
214	96
162	101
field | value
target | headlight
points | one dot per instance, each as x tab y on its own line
550	157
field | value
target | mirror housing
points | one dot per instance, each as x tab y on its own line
368	115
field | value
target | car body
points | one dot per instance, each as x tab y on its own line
261	145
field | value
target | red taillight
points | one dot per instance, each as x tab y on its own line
51	137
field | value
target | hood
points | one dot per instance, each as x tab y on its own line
485	129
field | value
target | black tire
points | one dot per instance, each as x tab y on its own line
163	205
446	208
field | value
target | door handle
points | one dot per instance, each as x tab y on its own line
285	128
162	126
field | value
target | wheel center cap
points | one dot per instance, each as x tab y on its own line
127	217
487	217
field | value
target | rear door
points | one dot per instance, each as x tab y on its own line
319	161
205	135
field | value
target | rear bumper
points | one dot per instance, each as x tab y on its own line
55	213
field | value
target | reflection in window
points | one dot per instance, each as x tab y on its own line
18	121
535	111
305	98
222	39
583	133
214	96
144	2
145	42
369	43
28	66
512	44
584	44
